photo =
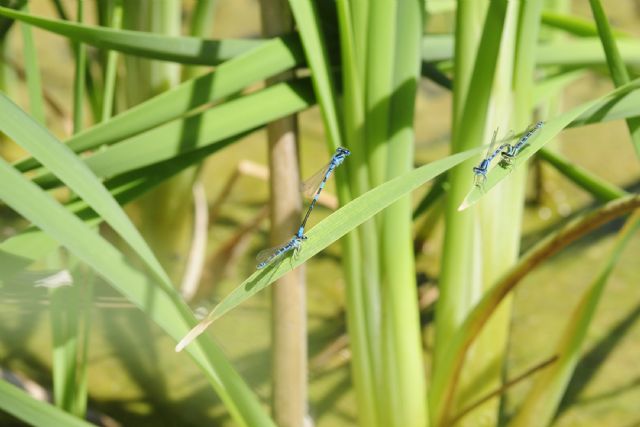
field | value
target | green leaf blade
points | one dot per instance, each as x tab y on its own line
589	111
59	159
35	412
185	50
330	230
160	303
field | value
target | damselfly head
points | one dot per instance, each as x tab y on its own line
343	151
482	168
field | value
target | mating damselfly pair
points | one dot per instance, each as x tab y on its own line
507	151
317	181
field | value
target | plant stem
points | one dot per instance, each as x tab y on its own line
459	344
598	187
289	326
402	360
617	67
459	281
32	73
201	26
79	82
166	212
111	67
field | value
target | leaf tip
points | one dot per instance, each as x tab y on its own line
193	334
464	205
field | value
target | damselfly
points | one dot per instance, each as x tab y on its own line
512	151
318	181
267	256
480	171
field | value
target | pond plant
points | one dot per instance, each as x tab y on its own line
150	106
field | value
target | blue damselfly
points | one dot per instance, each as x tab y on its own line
317	182
480	171
267	256
512	151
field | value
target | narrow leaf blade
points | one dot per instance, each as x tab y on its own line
330	230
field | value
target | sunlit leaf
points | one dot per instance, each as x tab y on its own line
186	50
35	412
328	231
162	304
614	102
543	399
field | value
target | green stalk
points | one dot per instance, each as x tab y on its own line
70	341
560	19
617	67
368	364
500	213
202	18
402	360
469	20
111	67
378	86
32	71
596	186
8	80
166	211
358	11
92	90
5	77
64	335
201	26
85	293
362	292
458	280
85	301
79	81
362	279
498	229
552	105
